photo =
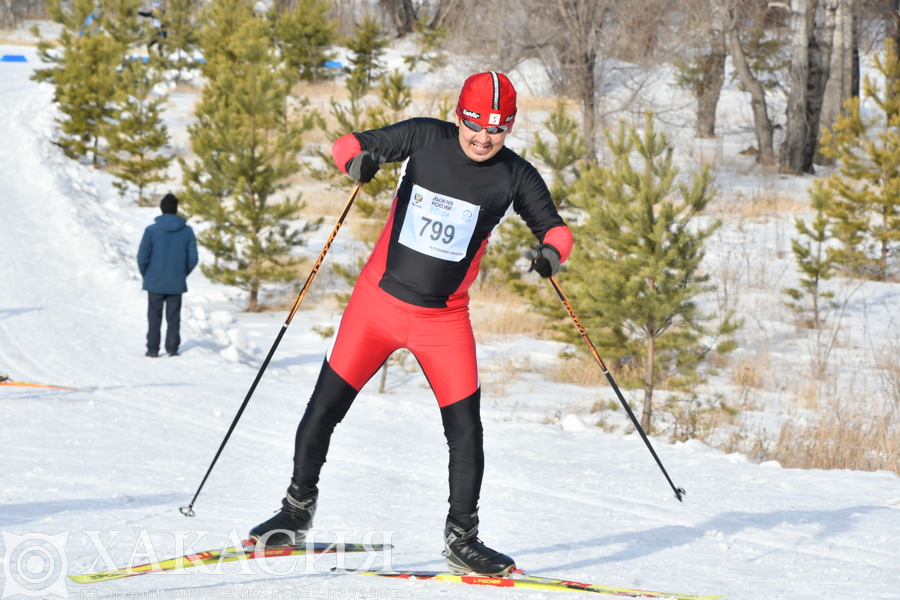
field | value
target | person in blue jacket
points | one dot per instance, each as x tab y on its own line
167	255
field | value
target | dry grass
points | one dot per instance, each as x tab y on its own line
761	204
716	360
750	372
497	312
845	437
696	418
807	395
580	370
890	365
8	39
496	375
836	432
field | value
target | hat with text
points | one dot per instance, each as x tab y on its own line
488	99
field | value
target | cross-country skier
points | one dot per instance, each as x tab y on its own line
156	13
459	184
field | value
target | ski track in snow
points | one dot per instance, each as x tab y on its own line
584	505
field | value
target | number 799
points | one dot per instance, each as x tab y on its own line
438	230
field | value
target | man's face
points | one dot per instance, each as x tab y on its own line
480	145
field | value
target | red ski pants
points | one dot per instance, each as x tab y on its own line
375	324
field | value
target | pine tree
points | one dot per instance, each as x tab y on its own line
563	155
635	276
428	41
815	261
246	152
139	134
303	37
208	185
121	20
182	36
84	73
367	45
864	194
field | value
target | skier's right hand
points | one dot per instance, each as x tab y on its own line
364	166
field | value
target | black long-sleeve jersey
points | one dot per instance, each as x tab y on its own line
445	209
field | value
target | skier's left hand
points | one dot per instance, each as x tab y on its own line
544	260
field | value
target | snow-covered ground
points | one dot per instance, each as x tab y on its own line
562	498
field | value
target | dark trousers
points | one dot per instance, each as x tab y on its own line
330	401
155	303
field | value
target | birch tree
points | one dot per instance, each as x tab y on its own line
843	73
797	125
811	50
713	72
762	124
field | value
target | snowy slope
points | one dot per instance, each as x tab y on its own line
571	502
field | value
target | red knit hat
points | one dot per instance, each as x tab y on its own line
488	99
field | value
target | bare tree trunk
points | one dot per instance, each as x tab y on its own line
582	20
647	413
820	50
401	14
284	6
383	382
895	26
791	155
713	73
840	85
441	12
761	122
7	16
344	12
854	54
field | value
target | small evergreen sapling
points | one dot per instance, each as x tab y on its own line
864	194
246	150
138	136
84	72
367	45
635	274
815	261
303	37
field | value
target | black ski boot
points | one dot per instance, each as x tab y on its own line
289	526
465	553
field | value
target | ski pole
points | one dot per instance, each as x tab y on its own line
679	492
188	510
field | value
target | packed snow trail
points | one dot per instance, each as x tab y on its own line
580	504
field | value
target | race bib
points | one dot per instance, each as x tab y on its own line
438	226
